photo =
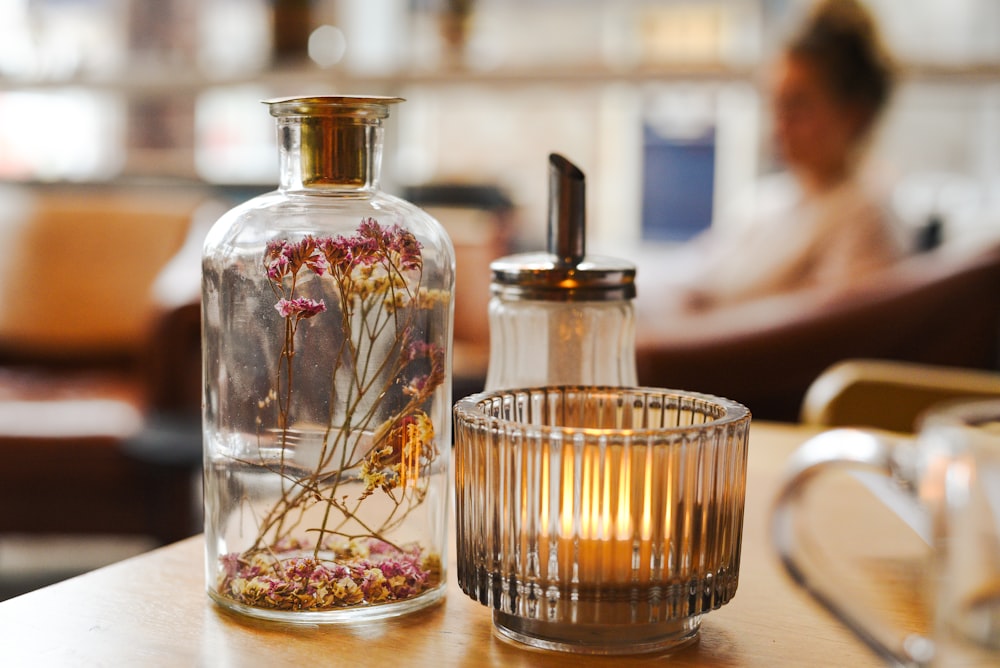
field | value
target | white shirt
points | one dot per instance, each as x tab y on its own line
778	240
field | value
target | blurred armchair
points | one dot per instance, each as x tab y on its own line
95	359
889	394
941	307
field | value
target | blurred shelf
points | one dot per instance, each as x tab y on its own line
152	82
940	73
174	81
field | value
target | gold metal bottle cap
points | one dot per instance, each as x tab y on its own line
335	134
317	105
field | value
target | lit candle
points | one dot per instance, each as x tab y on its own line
600	515
596	523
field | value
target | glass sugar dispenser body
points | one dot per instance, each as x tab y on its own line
327	318
562	317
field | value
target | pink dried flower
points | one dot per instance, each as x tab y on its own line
336	251
230	564
347	592
370	229
299	253
373	239
282	258
299	308
308	583
375	586
276	260
364	250
377	547
317	263
408	248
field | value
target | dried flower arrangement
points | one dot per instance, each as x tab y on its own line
378	440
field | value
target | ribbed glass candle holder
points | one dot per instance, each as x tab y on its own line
602	520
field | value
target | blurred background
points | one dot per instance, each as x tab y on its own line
127	126
661	102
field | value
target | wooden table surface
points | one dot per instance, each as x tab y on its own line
152	610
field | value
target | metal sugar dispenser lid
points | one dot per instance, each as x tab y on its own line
565	273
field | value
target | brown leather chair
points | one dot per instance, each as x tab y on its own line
93	470
941	307
82	412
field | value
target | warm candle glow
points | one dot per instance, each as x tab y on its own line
566	509
613	515
624	516
647	497
606	525
587	511
543	509
598	512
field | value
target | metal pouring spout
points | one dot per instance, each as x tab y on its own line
567	211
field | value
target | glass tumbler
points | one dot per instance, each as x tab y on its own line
601	520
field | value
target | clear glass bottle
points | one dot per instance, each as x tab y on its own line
562	317
327	318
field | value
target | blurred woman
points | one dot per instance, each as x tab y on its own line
819	224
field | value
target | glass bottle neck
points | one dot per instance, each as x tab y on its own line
334	154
